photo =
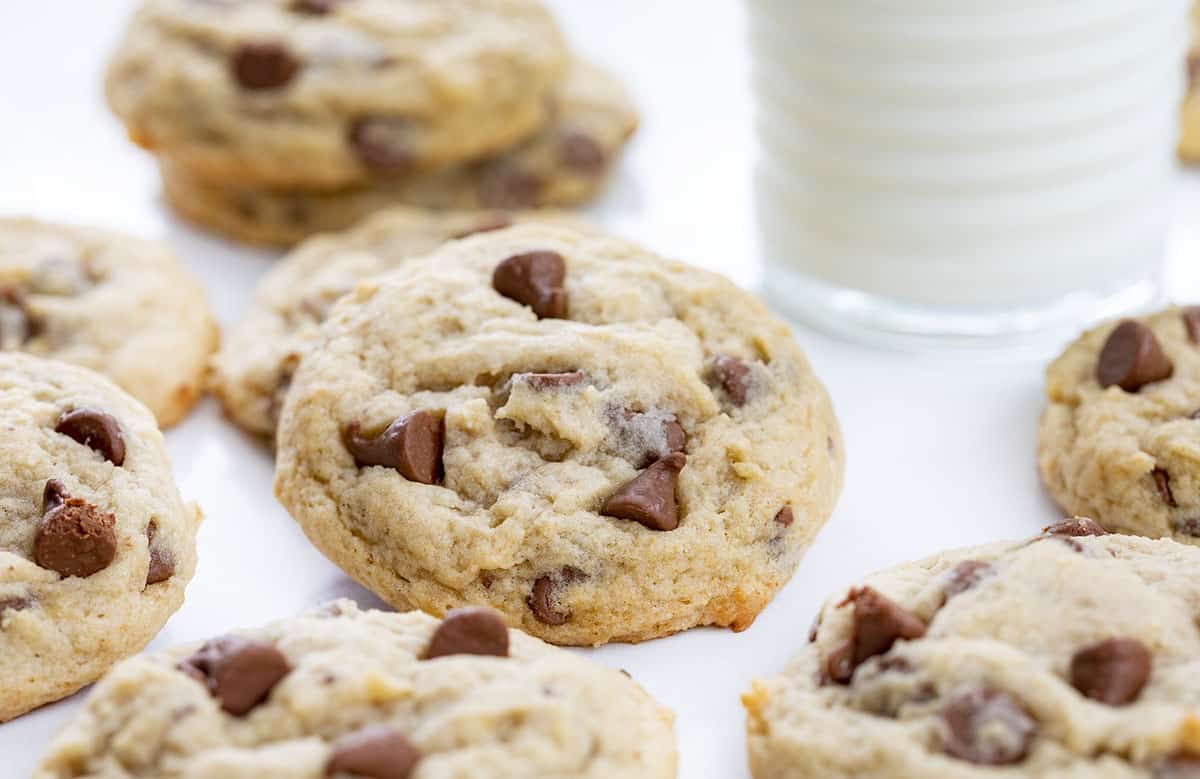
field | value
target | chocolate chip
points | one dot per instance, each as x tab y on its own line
542	602
1191	320
649	499
315	7
878	624
966	575
1079	526
162	561
840	665
1189	527
675	435
373	752
239	672
486	224
1112	671
412	445
469	631
1132	358
96	430
541	382
785	516
73	538
734	376
16	603
509	187
988	727
580	152
534	279
383	143
263	65
1162	483
1181	766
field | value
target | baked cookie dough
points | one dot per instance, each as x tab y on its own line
1072	655
600	443
123	307
253	369
1120	438
1189	140
345	693
566	163
279	93
96	546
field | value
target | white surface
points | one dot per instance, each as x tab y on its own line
1010	154
940	448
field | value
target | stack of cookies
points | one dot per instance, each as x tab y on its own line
276	119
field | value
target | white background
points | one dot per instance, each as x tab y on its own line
940	447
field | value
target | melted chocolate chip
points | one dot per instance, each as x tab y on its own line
988	727
469	631
162	561
649	499
315	7
878	624
1191	321
966	575
785	516
1112	671
840	665
96	430
508	187
15	604
383	143
486	224
542	382
1132	357
1074	528
534	279
734	376
373	752
412	445
263	65
73	538
580	152
239	672
542	602
1162	483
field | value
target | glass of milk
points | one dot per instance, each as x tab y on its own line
965	169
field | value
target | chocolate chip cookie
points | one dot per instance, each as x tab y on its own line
1120	438
344	693
564	164
254	367
1189	140
1070	655
240	90
96	546
123	307
600	443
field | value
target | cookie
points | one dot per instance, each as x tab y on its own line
96	546
565	164
1119	438
1068	656
602	444
341	692
1189	140
239	90
123	307
253	369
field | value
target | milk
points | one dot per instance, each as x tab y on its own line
966	166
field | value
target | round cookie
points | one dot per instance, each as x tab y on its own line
96	546
566	163
258	357
123	307
346	693
1119	438
239	90
602	444
1069	656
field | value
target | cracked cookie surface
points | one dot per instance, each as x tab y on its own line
342	692
120	306
238	90
258	357
565	163
1068	656
96	546
1128	454
602	444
